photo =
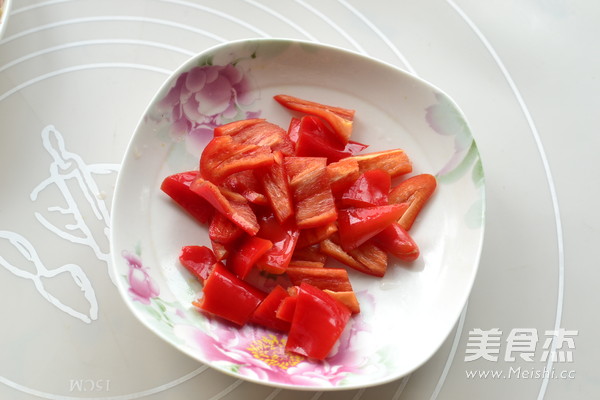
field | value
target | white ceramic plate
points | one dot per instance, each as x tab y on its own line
406	315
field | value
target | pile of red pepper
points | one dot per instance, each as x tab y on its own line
278	203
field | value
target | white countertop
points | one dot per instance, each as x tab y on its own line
526	74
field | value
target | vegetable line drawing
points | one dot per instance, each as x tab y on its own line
68	172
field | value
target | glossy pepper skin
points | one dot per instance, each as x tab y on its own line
198	260
177	186
317	324
229	297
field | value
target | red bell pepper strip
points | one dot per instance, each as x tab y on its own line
370	189
309	253
224	156
372	260
342	175
258	132
266	312
313	201
346	298
339	118
251	249
293	129
284	238
222	230
335	279
317	139
357	225
367	258
286	309
318	322
235	127
246	184
277	189
414	192
311	236
227	296
198	260
394	162
232	205
177	186
397	241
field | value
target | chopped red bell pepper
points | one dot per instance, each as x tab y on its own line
370	189
224	156
335	279
258	132
342	175
286	309
358	224
293	129
339	118
346	298
222	230
251	250
397	241
198	260
266	312
227	296
415	192
366	258
246	184
318	322
317	139
277	189
284	238
232	205
177	186
311	236
394	162
309	253
309	182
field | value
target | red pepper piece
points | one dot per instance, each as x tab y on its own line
309	253
222	230
177	187
252	249
335	279
317	139
394	162
232	205
246	184
311	236
318	322
284	238
370	189
342	175
339	118
367	258
293	129
346	298
306	264
235	127
397	241
357	225
198	260
224	156
266	312
286	309
414	192
313	201
227	296
277	189
258	132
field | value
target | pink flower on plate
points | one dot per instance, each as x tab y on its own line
141	285
205	97
258	353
